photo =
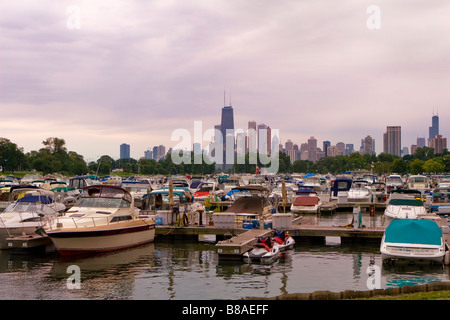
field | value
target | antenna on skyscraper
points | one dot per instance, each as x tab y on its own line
230	97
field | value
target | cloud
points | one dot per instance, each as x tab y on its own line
137	70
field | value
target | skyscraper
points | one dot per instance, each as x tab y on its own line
434	129
326	145
438	143
227	128
124	151
392	140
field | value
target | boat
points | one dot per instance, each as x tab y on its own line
205	190
418	182
307	201
28	211
253	207
277	192
312	181
444	182
137	190
394	181
103	219
440	201
404	209
411	240
264	250
283	240
360	191
339	189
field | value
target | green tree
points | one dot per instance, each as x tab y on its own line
399	166
416	166
11	156
434	166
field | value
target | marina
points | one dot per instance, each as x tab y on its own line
240	233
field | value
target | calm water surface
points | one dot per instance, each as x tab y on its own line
180	270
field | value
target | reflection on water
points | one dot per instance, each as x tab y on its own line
180	270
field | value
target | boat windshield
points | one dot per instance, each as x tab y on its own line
24	207
102	203
394	179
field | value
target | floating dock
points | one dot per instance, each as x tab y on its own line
29	243
235	247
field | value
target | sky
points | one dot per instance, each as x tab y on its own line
101	73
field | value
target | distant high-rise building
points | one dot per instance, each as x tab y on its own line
392	140
434	129
264	133
368	145
124	151
438	143
312	149
420	143
349	148
159	152
227	129
326	145
148	154
289	145
341	148
251	140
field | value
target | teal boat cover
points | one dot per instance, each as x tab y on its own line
413	231
406	202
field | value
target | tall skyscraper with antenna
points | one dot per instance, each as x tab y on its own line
227	128
434	129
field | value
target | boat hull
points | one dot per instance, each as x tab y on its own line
408	240
102	239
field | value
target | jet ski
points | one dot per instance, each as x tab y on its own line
263	250
283	240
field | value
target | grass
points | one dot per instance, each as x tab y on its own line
431	295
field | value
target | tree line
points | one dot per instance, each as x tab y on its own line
54	157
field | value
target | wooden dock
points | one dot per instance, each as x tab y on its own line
235	247
29	243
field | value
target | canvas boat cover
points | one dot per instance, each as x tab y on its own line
413	231
252	204
306	201
406	202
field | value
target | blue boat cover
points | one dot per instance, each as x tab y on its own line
34	199
413	231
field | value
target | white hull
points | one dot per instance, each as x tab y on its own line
412	253
262	255
102	239
305	209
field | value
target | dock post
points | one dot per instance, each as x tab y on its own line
356	217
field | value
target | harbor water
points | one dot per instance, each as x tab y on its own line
180	270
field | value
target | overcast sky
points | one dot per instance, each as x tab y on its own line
135	71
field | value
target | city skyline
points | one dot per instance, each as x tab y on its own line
135	71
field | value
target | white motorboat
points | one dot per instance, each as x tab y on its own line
440	201
29	210
394	181
360	192
137	190
418	182
103	219
404	209
411	240
264	250
307	201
